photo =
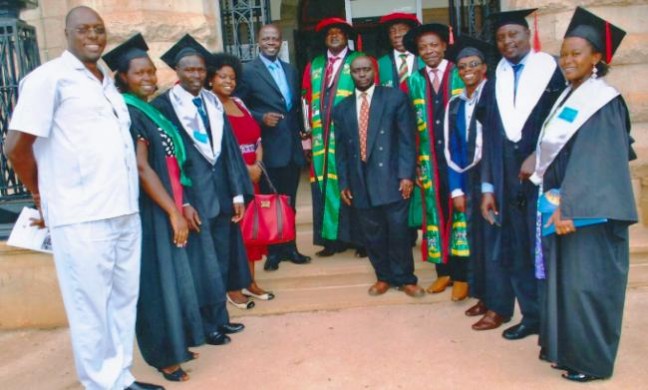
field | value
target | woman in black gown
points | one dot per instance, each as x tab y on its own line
168	315
583	153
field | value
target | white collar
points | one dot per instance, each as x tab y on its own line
397	53
369	92
441	68
340	55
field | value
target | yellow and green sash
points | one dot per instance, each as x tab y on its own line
323	139
440	238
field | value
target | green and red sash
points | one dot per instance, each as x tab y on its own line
323	138
440	237
386	71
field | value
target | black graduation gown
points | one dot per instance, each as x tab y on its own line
214	274
587	271
168	315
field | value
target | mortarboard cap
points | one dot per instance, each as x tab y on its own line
399	17
409	40
466	46
119	57
186	46
324	25
604	36
504	18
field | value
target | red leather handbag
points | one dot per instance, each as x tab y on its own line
268	219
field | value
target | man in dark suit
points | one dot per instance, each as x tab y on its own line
376	160
270	89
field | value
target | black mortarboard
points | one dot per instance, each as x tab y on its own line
409	40
466	46
186	46
604	36
504	18
119	57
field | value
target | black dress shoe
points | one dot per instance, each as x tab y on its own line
326	252
271	263
519	331
144	386
217	338
360	253
579	377
297	258
231	327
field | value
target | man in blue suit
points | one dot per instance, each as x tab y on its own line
376	160
270	89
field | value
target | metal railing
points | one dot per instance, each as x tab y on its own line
241	21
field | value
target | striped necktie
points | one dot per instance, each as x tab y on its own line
403	70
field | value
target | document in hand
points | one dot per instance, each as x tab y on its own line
26	236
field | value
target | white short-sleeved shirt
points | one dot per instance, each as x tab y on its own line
84	151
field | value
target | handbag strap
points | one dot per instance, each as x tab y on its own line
267	177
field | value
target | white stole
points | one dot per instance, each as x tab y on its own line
478	136
565	119
515	108
187	113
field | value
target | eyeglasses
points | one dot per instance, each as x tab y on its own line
469	65
85	30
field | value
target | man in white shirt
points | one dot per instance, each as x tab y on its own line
376	160
69	143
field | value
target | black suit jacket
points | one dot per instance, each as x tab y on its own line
257	88
391	149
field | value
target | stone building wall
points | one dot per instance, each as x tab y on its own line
162	22
629	70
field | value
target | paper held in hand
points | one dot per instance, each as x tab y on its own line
26	236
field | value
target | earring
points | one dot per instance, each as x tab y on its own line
594	72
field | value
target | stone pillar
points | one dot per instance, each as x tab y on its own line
161	22
628	72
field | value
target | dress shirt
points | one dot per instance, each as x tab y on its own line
410	60
443	65
279	76
84	151
358	95
336	66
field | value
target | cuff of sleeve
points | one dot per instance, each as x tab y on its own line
238	199
487	187
535	179
456	193
186	204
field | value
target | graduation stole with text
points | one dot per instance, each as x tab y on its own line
324	138
440	238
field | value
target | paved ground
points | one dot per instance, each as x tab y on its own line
425	346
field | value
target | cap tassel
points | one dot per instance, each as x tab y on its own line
608	43
359	42
536	35
450	36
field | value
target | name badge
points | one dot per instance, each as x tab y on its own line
568	114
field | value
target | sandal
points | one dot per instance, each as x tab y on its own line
249	304
266	296
179	375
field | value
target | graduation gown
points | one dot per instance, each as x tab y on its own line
587	270
168	313
214	274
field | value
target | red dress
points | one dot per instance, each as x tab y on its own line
248	136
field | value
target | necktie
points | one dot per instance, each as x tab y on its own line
198	134
362	125
329	70
517	70
403	71
435	80
282	83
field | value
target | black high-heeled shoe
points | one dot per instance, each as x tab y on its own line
579	377
178	375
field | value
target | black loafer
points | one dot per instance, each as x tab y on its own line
579	377
231	327
144	386
271	263
326	252
217	338
519	331
297	258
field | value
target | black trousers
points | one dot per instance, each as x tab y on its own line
286	180
386	238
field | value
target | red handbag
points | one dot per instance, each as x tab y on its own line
269	218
